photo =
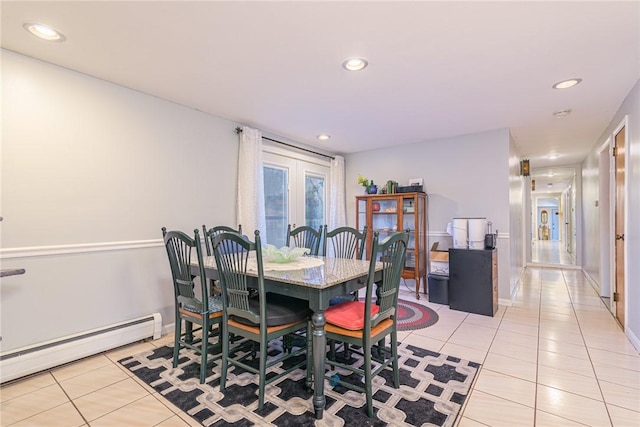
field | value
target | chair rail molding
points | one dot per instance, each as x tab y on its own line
54	250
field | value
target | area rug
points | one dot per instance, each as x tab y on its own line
433	389
413	316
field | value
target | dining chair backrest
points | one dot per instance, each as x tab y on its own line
344	242
233	254
305	237
210	233
391	253
180	248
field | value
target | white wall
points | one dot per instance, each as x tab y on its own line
464	176
517	219
87	163
590	250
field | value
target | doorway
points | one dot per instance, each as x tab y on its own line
620	218
553	209
296	192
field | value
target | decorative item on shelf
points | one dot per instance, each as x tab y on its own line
391	187
375	206
365	183
372	188
409	208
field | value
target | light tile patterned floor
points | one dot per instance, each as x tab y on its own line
555	357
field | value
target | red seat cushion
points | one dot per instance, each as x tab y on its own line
349	315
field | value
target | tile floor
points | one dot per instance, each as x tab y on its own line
555	357
550	252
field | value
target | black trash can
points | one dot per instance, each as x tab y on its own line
438	288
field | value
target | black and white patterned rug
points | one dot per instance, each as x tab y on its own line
433	389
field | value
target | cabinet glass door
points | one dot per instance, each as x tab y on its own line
384	218
409	224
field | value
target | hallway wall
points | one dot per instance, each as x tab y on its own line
590	178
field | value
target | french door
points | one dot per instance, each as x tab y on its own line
295	190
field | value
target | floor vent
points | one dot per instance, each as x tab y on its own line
28	360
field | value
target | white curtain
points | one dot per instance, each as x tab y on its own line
250	208
337	201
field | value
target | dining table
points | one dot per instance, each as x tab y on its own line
315	279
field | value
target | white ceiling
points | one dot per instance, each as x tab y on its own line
436	69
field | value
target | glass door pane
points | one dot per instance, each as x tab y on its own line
314	201
276	198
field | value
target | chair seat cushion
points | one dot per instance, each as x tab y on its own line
349	315
215	304
281	310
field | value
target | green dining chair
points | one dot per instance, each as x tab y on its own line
366	324
210	233
268	317
305	237
203	310
343	242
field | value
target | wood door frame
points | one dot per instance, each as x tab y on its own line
607	227
624	124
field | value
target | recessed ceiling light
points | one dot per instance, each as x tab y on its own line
44	32
566	83
354	64
553	156
323	137
562	113
549	185
550	174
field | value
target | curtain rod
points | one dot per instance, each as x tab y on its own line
239	130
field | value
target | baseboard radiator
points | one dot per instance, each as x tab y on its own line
35	358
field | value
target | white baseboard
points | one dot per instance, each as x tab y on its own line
45	355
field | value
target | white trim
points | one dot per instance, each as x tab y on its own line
37	251
635	341
593	283
505	302
445	234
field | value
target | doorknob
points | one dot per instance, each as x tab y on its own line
620	237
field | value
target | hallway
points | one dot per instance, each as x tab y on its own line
549	252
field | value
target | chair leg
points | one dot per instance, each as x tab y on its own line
225	355
204	347
263	374
176	339
188	331
367	378
347	356
394	354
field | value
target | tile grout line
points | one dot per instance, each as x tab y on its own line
595	374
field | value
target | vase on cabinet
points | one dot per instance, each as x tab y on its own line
372	189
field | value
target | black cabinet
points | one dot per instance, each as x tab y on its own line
473	281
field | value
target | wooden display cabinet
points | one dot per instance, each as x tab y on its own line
389	213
